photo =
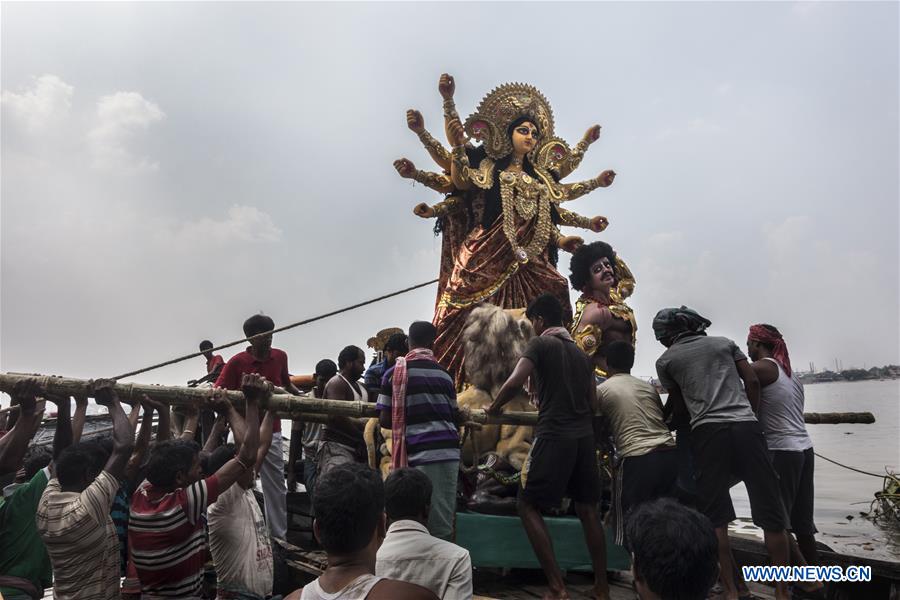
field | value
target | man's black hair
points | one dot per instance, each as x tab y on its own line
206	345
80	462
397	343
348	503
619	355
675	549
168	458
584	257
422	334
219	457
35	459
326	368
407	494
348	355
548	307
258	324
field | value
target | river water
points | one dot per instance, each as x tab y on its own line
842	494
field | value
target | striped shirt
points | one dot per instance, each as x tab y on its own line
81	540
431	434
168	542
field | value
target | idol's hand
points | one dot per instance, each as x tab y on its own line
415	121
405	168
591	135
606	178
599	223
570	243
446	86
456	134
424	211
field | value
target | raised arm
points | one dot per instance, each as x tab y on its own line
265	439
577	155
511	387
123	433
579	189
133	467
447	206
436	181
573	219
215	436
80	416
134	415
416	123
224	408
254	387
460	170
192	418
164	425
14	444
62	437
447	87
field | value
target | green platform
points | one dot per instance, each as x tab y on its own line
500	542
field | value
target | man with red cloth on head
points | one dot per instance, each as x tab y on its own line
780	413
261	358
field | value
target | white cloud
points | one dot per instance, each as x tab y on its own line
241	223
41	105
121	116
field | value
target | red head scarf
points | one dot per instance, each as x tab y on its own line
762	333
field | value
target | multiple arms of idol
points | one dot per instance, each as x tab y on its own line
458	175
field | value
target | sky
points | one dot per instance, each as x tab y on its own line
169	169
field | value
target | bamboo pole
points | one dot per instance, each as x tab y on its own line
285	405
288	406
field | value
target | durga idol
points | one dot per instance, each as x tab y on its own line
503	208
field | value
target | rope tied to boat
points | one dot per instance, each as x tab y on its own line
848	467
276	330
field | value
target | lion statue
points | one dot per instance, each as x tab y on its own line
493	339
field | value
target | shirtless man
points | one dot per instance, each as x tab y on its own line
601	315
342	437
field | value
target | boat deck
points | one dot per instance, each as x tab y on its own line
501	584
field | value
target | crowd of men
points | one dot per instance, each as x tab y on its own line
134	515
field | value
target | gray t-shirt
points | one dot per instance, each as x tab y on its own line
704	369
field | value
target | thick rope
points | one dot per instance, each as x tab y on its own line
851	468
285	328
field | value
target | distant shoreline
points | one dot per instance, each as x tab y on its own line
888	372
810	381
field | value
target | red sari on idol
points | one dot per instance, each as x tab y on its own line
484	268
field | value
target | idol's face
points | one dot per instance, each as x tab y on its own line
603	275
525	137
